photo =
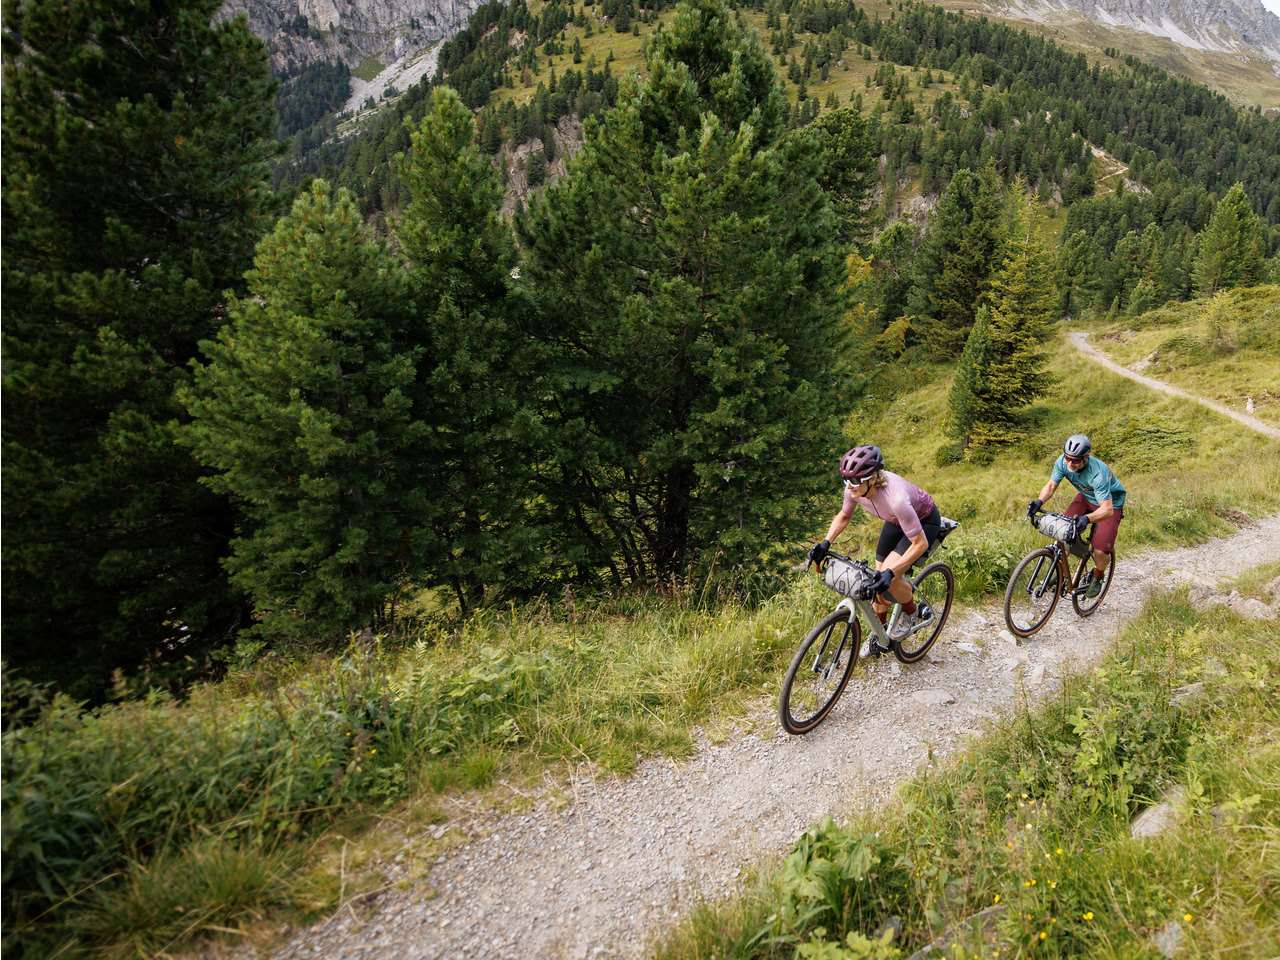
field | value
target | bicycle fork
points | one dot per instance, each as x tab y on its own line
1051	567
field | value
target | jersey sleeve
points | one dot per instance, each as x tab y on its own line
904	512
1059	471
850	502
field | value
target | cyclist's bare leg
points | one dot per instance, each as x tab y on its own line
1100	561
900	588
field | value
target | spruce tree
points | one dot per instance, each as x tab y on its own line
959	255
134	144
310	408
688	265
1013	368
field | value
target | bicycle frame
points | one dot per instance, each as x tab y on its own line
869	615
1060	553
867	609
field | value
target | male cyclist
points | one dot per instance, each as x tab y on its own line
1100	501
911	525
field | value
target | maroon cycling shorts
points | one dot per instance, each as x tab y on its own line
1104	538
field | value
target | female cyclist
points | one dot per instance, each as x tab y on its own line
911	524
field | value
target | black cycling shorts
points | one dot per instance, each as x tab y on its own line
893	540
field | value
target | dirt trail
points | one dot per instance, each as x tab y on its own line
598	866
1081	340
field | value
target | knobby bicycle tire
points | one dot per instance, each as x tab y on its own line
819	671
1087	605
936	586
1032	594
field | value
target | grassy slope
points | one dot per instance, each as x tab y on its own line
1244	80
1227	350
1182	465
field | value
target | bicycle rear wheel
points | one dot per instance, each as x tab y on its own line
819	671
935	586
1032	593
1086	605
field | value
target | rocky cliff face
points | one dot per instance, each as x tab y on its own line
350	30
1237	26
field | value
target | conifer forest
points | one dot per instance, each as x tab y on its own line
585	310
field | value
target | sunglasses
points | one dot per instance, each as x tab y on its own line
1073	459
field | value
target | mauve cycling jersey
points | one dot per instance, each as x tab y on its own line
899	501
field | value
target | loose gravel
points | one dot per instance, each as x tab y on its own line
594	867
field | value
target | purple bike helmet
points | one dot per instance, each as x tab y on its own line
860	463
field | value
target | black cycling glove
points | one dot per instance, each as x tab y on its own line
1033	506
818	552
882	581
1082	524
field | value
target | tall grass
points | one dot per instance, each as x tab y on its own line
119	792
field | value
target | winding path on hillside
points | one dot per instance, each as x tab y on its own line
1081	340
596	866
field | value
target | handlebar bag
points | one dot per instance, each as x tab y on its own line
849	579
1056	526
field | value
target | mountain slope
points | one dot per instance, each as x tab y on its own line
1231	46
366	35
1229	26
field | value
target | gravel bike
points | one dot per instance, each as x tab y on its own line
1044	575
831	650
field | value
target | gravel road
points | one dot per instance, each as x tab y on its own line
595	867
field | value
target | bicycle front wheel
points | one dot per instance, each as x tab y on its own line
1032	593
935	586
819	671
1086	605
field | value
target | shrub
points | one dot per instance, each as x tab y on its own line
949	453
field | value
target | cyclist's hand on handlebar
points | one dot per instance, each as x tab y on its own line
882	581
1082	524
818	552
1033	506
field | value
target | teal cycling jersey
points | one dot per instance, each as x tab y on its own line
1095	480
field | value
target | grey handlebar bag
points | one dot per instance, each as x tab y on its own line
848	579
1059	528
1064	529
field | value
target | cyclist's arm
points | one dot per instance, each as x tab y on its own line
1101	511
838	523
1047	491
919	544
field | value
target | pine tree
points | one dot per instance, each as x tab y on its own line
135	137
688	266
1230	246
310	407
848	171
464	274
1076	270
965	398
